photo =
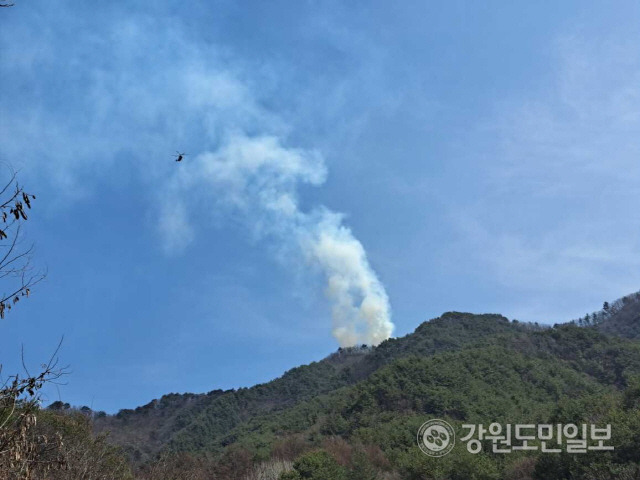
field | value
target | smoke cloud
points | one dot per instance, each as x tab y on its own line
152	86
256	178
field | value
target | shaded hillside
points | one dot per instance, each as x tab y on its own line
622	317
190	421
147	429
367	403
520	376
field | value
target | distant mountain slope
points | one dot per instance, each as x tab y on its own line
462	367
175	417
147	429
622	317
520	376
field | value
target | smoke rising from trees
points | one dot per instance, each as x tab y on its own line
256	178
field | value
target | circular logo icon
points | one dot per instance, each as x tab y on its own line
436	438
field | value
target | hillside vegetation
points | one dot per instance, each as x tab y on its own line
356	413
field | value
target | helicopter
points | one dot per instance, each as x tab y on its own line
179	157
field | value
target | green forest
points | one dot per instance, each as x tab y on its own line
355	414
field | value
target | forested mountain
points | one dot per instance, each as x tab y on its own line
363	406
173	418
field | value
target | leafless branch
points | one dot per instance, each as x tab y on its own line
21	447
15	261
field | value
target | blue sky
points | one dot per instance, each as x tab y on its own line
486	158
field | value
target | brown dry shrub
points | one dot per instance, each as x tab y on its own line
521	469
290	447
339	449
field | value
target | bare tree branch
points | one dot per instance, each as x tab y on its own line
16	261
21	448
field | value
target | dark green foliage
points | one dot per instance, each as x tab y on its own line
290	476
58	405
317	465
461	367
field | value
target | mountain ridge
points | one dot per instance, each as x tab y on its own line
359	390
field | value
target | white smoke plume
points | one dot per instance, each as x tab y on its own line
257	179
152	86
